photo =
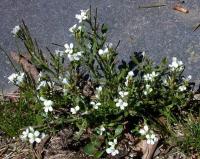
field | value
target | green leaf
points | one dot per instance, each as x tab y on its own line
82	128
94	47
99	154
164	61
96	142
39	119
134	60
90	149
119	130
104	28
111	124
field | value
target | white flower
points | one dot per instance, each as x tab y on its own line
43	135
176	64
73	28
99	89
130	74
48	106
165	82
44	84
189	77
144	130
147	77
16	78
15	30
129	77
103	52
24	135
42	99
70	57
145	92
182	88
34	137
150	76
111	150
102	129
69	48
100	52
113	143
122	104
74	110
65	81
40	76
98	92
154	74
13	77
20	77
95	105
148	89
151	138
31	129
78	55
82	16
149	134
75	56
123	94
143	53
85	113
80	28
59	52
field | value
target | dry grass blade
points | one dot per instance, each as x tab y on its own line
197	27
3	150
152	5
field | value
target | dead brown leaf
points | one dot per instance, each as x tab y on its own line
24	60
39	149
180	8
147	149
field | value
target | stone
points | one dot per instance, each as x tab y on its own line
160	31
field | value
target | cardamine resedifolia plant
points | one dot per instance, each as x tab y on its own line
84	85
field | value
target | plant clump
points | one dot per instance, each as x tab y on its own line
85	86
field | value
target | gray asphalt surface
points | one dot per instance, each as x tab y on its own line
158	31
